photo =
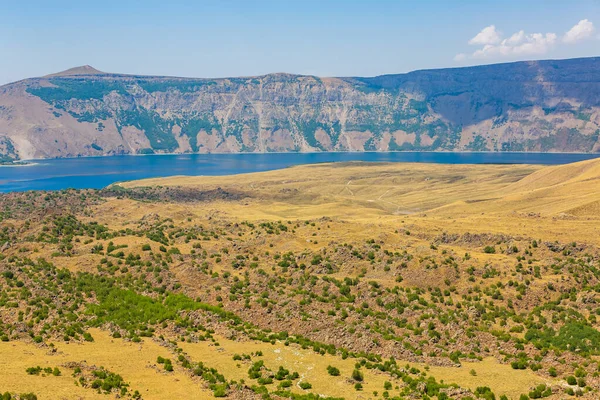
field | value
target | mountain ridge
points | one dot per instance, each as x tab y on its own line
548	105
83	70
74	71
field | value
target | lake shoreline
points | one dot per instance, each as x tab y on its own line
24	163
102	171
592	155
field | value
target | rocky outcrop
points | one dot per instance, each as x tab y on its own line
526	106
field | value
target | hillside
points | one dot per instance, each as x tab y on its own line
452	191
329	281
525	106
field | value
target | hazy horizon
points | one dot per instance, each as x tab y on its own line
292	73
234	38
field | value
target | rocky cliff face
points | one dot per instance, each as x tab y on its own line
525	106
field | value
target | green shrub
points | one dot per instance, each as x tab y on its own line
485	392
220	391
285	384
571	336
37	370
357	375
489	249
87	337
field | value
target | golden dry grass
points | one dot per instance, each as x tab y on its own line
388	188
312	367
135	362
364	201
398	189
549	203
501	378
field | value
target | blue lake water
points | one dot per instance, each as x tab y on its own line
98	172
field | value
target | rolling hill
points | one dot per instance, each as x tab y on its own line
326	281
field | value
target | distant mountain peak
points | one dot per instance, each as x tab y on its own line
82	70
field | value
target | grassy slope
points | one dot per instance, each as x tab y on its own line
562	200
364	201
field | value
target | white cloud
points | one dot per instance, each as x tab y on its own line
519	44
488	35
516	38
495	46
583	30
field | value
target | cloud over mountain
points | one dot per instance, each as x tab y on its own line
495	46
488	35
583	30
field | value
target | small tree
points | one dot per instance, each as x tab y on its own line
333	371
489	249
357	375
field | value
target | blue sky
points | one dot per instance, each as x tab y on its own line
216	38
